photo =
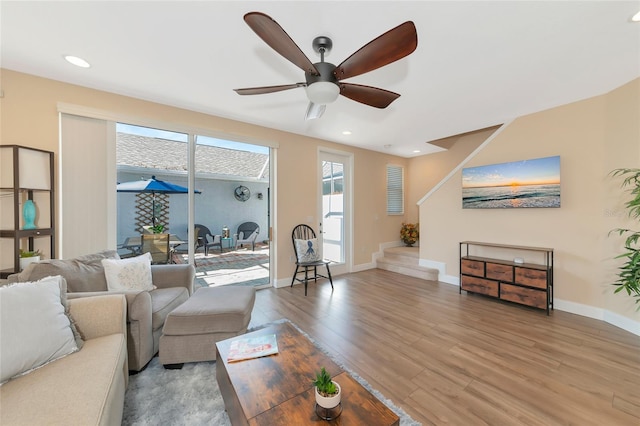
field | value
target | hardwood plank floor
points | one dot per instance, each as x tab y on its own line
450	358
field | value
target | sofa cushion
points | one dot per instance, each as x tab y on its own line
84	273
165	300
34	327
84	388
133	273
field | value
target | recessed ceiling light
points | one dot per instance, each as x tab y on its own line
415	151
77	61
346	132
636	17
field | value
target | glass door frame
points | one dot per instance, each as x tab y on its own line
345	158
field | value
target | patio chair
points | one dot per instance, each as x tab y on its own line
204	238
158	246
247	234
305	246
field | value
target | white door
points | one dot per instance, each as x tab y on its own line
335	210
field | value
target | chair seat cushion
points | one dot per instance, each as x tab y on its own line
165	300
212	310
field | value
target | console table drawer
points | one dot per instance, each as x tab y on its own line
524	296
500	272
531	277
479	285
472	267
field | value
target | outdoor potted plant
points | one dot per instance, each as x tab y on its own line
629	271
327	391
157	229
409	233
26	257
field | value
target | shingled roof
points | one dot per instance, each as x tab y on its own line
164	154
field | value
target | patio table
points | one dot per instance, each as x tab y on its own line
135	243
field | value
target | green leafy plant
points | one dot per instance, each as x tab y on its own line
324	384
30	253
157	229
629	272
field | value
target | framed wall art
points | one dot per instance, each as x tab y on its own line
518	184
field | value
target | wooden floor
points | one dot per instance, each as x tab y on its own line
447	358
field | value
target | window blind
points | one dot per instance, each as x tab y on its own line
395	190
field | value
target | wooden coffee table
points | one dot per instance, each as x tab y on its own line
278	389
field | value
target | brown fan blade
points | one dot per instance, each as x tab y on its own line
389	47
267	89
368	95
273	34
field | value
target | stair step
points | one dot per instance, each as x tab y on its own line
405	260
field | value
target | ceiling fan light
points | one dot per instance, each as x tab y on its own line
322	92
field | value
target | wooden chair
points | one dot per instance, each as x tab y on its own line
202	239
308	257
158	246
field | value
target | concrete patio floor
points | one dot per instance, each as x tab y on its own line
232	267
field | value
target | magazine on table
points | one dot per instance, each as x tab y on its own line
252	347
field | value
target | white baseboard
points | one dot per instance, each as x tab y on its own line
609	317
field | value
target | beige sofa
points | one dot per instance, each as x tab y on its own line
146	310
84	388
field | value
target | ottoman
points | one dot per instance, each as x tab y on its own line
211	314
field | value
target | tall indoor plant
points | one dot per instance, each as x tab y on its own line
629	271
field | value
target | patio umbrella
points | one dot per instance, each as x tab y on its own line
153	186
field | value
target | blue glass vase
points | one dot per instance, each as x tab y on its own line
29	215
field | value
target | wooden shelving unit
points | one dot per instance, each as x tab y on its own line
25	174
528	284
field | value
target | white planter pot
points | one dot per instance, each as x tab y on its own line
331	401
25	261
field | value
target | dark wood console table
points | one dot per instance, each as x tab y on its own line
528	284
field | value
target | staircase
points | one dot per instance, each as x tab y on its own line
404	260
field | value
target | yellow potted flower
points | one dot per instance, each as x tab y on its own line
409	233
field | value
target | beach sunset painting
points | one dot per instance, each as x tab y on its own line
519	184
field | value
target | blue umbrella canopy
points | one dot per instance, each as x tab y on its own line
153	186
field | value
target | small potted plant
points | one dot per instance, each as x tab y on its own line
409	233
327	391
26	257
158	229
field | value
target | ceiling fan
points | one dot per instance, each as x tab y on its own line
323	79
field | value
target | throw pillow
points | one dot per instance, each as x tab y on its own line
308	250
34	329
133	273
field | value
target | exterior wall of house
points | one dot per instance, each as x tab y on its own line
592	137
215	207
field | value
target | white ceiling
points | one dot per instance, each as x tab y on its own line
477	64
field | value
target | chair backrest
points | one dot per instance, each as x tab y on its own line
203	232
158	246
246	229
301	232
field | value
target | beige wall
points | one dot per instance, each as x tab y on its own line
29	117
592	137
426	171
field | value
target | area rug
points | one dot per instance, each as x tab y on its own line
191	396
